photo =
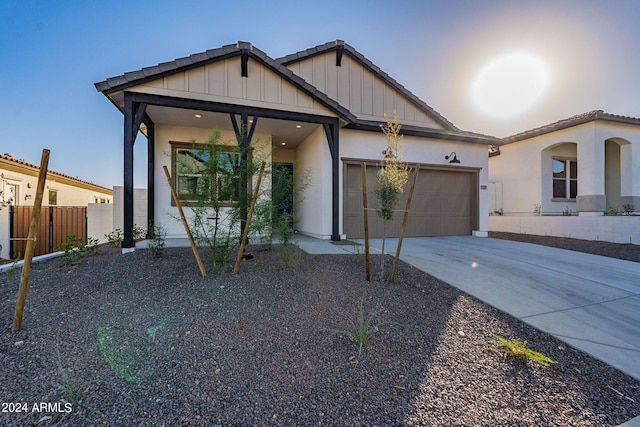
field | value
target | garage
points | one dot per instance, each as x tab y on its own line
445	203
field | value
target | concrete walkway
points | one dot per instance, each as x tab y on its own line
588	301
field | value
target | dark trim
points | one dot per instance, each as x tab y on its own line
423	166
129	138
151	144
219	107
332	133
244	62
339	53
409	130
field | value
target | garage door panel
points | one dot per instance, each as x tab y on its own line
441	205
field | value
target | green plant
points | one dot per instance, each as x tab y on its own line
157	241
628	209
499	212
361	329
139	233
72	392
73	248
518	349
537	209
114	238
612	211
391	179
566	211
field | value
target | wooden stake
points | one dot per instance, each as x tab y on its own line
236	267
404	224
31	243
366	222
184	222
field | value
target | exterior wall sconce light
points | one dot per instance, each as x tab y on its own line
453	156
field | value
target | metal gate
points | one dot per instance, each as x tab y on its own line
56	223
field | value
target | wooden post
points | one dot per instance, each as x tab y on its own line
31	243
236	267
366	222
184	222
404	224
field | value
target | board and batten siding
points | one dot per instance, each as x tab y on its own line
358	89
221	82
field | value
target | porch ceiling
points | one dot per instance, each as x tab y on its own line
281	130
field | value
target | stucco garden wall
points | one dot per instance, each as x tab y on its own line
617	229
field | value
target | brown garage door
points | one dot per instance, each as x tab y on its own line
443	204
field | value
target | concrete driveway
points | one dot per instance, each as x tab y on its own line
588	301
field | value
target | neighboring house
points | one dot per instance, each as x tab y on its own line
319	109
19	180
18	184
587	165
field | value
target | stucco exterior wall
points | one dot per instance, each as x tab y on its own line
315	211
67	193
524	168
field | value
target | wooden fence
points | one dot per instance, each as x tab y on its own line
56	223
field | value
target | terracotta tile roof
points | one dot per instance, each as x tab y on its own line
334	45
9	158
578	119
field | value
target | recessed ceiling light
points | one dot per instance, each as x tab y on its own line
283	143
298	126
198	116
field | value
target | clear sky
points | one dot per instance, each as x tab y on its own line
53	51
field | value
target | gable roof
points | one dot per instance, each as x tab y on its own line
127	80
340	45
135	78
576	120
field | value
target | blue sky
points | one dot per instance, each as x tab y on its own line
52	52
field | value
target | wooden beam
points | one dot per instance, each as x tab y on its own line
244	62
245	231
339	53
218	107
184	221
129	138
151	144
404	225
332	133
31	243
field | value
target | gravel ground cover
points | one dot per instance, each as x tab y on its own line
627	251
133	340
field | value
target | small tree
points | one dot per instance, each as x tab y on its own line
392	177
211	175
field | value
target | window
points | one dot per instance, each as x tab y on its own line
53	197
565	179
206	172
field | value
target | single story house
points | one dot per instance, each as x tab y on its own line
19	179
18	183
587	165
319	110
